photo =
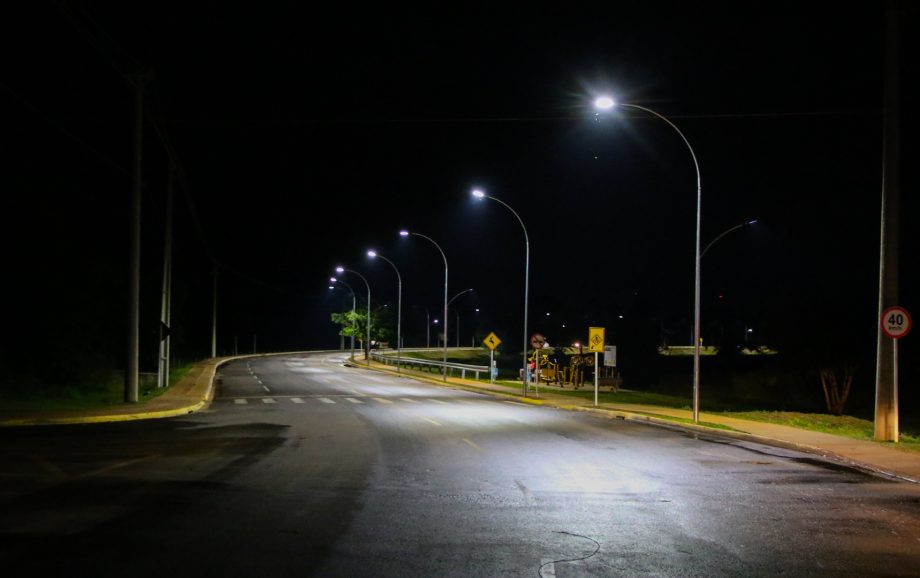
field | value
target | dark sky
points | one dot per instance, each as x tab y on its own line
309	134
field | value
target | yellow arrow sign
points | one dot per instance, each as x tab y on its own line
492	341
596	339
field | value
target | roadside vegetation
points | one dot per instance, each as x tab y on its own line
108	392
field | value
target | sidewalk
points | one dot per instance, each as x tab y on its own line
196	390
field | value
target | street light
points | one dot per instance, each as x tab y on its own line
458	313
727	231
367	350
605	103
479	194
405	233
353	304
373	255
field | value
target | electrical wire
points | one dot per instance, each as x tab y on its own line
597	548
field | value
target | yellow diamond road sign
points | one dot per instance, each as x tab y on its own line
492	341
596	339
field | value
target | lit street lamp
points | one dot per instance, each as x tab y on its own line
405	233
373	254
353	304
481	195
606	103
367	350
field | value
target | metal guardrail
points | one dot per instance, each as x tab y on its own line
409	362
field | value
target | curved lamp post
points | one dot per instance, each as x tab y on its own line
374	255
457	312
405	233
367	351
727	231
606	103
481	195
354	303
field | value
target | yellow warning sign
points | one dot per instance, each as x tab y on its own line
596	339
492	341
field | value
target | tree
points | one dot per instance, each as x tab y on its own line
836	391
354	323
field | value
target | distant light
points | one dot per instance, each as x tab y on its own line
477	310
750	331
751	222
371	253
478	193
404	233
547	314
331	287
621	317
604	103
577	344
436	321
333	280
340	269
563	325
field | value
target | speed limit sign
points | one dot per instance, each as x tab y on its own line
896	322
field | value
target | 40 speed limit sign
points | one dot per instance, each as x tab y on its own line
896	322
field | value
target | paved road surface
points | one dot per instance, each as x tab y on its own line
304	467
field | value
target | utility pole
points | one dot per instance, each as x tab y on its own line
166	294
886	394
134	243
214	315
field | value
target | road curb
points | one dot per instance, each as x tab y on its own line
667	423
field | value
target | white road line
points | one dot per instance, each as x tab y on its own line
325	400
296	400
432	400
410	400
431	421
267	400
353	400
381	400
266	388
240	401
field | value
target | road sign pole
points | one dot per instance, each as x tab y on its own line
491	366
596	367
894	392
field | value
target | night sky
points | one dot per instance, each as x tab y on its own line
307	135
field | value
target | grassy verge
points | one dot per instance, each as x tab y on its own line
635	397
103	395
843	425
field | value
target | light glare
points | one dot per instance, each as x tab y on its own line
604	103
340	269
478	193
404	233
371	253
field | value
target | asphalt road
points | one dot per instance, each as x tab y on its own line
302	467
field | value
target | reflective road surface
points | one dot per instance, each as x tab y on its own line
303	467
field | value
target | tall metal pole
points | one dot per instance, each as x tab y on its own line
526	287
696	277
165	297
354	303
445	296
886	394
134	278
367	343
398	306
214	315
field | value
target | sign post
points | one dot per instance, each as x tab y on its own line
596	344
538	341
896	323
492	341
